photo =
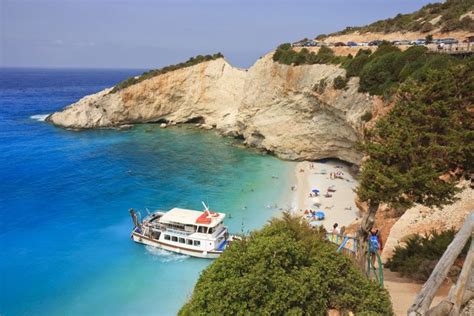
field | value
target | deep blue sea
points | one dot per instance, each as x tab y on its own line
64	200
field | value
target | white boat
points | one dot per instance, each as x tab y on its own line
195	233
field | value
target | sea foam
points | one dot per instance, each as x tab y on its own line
164	255
39	117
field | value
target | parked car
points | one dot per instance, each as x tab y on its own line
449	41
362	44
401	42
337	44
375	43
419	42
351	44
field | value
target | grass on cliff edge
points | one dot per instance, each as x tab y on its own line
450	13
285	54
286	268
156	72
380	72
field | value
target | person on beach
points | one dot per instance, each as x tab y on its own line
335	229
375	245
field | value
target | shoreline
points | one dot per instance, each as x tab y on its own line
339	206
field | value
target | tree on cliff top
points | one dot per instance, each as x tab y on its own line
286	268
428	134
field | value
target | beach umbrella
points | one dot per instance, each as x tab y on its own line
315	190
320	215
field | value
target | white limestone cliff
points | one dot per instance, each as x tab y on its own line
271	106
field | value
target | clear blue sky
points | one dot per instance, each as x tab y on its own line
150	34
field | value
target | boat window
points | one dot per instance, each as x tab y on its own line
189	242
197	243
211	230
202	229
174	238
181	240
190	228
167	237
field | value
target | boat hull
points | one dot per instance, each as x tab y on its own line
141	239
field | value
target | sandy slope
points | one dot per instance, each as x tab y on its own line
403	292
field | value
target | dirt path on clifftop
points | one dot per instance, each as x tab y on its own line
403	291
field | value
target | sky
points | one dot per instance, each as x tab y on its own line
151	34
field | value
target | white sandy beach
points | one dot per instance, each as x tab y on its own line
340	208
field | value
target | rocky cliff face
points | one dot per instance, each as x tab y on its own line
271	106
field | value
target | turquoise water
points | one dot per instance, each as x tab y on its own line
64	200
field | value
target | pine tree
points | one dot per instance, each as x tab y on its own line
428	133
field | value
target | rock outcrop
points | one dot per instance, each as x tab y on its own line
279	108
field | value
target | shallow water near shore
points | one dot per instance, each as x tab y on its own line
64	199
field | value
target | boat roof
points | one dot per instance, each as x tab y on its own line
190	217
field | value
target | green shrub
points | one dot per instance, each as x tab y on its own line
156	72
325	55
320	37
418	257
382	71
285	54
450	11
427	27
287	268
379	74
355	65
367	116
320	87
340	82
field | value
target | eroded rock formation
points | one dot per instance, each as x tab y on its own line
279	108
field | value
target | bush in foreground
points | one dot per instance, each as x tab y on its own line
418	257
285	268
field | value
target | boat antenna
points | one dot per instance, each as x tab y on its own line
206	209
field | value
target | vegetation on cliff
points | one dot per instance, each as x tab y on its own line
382	72
427	135
418	257
285	54
340	82
418	151
287	268
156	72
424	20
